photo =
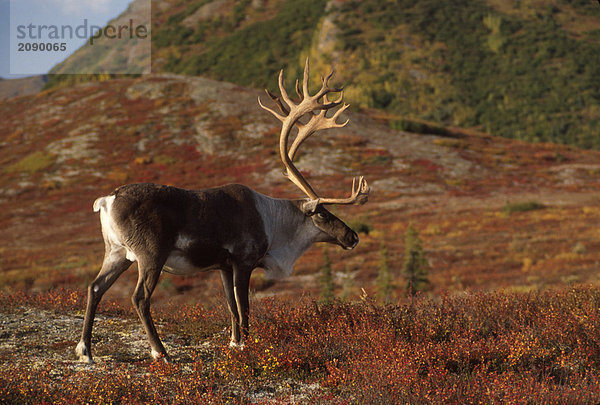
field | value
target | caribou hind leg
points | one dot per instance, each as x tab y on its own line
227	279
149	272
115	263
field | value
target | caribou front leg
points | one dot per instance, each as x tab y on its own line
147	280
241	285
236	282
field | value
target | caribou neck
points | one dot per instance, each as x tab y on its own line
289	232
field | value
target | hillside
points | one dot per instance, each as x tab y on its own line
10	88
522	70
526	72
462	190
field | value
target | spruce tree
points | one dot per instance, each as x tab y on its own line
384	276
326	279
415	267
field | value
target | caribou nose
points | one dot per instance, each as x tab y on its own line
352	241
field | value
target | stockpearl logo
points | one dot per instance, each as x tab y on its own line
80	37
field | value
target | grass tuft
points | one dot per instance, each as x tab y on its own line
510	208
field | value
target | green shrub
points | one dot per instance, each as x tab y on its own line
360	225
420	127
509	207
32	163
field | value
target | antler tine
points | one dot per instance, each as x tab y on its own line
275	114
284	93
338	113
329	76
325	89
298	91
359	196
362	190
332	104
274	97
305	79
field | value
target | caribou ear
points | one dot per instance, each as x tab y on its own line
309	207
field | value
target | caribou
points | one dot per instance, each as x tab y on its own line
231	228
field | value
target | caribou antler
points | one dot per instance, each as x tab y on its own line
316	106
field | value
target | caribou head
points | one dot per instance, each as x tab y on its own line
315	108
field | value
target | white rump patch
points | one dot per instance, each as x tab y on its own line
99	203
109	227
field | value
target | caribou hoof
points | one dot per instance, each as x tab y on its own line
83	353
235	345
164	357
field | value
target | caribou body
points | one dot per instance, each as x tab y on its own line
231	228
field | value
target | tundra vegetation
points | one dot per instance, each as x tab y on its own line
474	348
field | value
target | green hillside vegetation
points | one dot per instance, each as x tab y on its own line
56	81
523	71
251	55
516	75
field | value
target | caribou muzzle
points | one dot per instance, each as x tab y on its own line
349	241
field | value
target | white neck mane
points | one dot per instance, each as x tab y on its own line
289	235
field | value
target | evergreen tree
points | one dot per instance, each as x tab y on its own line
384	277
326	279
415	267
